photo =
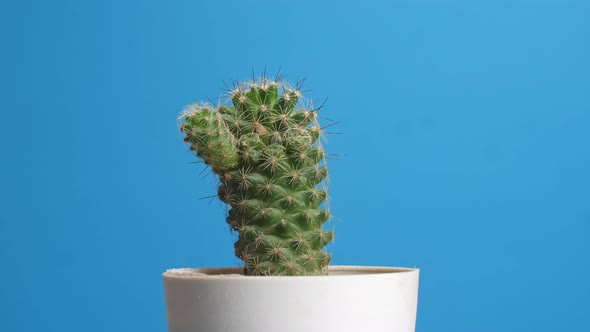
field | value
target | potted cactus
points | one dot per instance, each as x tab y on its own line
264	146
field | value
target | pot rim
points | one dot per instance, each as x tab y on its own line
334	271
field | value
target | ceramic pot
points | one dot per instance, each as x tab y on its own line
348	299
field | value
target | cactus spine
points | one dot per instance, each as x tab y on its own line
265	149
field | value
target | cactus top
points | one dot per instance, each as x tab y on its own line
265	149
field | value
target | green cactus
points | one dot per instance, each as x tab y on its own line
265	149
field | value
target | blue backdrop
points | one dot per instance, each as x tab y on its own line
465	151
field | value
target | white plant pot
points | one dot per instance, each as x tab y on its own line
348	299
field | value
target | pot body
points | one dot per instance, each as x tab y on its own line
348	299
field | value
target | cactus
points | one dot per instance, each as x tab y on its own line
265	149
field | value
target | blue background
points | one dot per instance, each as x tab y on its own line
466	140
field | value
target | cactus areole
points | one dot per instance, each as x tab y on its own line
265	149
